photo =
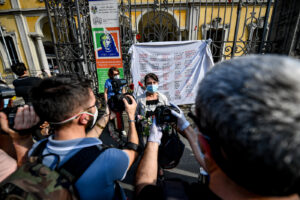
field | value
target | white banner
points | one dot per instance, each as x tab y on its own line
180	66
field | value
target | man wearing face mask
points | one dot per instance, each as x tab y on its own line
113	73
148	101
69	105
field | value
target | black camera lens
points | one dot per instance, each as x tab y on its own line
163	114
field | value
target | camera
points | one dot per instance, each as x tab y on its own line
7	93
116	103
163	114
11	114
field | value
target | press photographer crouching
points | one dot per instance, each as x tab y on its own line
16	135
248	119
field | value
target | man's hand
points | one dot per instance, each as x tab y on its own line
155	133
25	118
182	122
130	108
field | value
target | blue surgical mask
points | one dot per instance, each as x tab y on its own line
152	88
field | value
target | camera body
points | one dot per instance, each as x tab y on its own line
7	93
163	114
116	103
11	114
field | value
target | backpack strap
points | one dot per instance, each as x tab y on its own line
78	163
38	151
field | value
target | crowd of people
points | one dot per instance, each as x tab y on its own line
246	138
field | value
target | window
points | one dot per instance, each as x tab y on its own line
218	33
256	30
8	50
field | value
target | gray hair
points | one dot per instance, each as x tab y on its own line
250	108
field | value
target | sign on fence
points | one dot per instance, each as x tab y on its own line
106	37
180	66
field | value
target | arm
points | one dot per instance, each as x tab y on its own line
105	95
101	124
25	118
187	131
132	135
192	137
147	170
148	167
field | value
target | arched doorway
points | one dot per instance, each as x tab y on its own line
158	26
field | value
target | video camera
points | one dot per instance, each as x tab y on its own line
116	103
171	148
7	93
163	114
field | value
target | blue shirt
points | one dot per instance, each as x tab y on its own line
110	91
97	182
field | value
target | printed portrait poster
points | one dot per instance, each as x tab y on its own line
106	38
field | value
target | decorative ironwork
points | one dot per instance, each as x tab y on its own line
72	38
236	28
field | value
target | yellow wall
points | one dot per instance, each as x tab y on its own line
31	4
6	6
31	23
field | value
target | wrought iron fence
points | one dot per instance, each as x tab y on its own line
236	27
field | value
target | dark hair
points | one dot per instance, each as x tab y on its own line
18	68
111	71
150	75
249	107
57	98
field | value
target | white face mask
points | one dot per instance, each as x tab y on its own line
95	116
117	76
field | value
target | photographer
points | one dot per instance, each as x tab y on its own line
113	73
14	146
68	104
248	132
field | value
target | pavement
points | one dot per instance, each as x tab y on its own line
187	169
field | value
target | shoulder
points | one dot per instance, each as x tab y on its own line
108	82
141	97
34	146
162	97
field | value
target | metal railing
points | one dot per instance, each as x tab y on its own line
236	27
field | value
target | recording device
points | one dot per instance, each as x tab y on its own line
11	114
116	103
163	114
7	93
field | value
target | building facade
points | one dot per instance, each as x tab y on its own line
24	37
236	27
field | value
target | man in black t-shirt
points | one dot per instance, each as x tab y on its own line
23	83
248	119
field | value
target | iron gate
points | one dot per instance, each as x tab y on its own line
236	27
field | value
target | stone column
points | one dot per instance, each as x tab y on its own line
41	52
